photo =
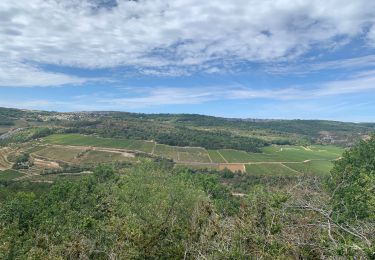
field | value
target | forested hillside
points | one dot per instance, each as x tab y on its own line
185	130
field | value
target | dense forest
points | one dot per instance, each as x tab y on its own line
151	210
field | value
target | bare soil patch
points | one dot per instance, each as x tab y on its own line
233	167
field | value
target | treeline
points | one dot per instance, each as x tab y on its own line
176	136
308	128
210	140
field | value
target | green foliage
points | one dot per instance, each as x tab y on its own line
24	135
146	213
352	183
210	183
104	173
153	212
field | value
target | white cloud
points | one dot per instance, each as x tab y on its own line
361	62
152	34
16	74
162	96
298	101
371	36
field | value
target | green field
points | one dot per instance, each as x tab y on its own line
193	154
95	157
166	151
84	140
312	167
216	157
269	169
77	155
284	154
182	154
60	153
9	175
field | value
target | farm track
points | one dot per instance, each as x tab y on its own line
222	156
246	163
153	148
291	169
98	148
209	157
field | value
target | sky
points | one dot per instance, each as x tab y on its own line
282	59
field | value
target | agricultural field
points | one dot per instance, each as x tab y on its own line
283	154
61	153
183	154
312	167
82	155
216	156
84	140
95	157
269	169
192	154
287	159
166	151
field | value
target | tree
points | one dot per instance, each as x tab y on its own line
352	183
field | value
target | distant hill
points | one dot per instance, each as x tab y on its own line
190	129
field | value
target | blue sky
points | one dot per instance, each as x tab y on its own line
242	58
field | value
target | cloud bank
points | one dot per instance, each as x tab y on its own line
171	37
